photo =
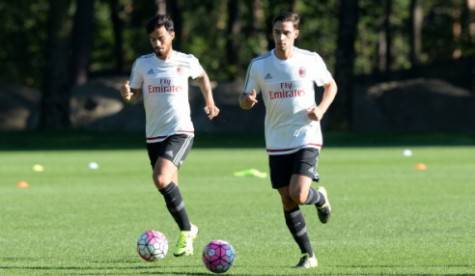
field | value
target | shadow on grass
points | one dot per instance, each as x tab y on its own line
181	270
104	270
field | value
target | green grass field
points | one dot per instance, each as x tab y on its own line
389	218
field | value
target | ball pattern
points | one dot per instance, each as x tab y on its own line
152	245
218	256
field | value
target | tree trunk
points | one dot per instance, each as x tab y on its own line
55	92
292	5
257	23
385	40
81	41
233	31
174	10
415	31
456	29
345	59
118	29
471	20
257	17
471	31
161	6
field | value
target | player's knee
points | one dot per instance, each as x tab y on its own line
298	196
161	180
289	204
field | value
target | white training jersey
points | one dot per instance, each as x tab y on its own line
287	88
164	85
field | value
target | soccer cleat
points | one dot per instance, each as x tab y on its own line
184	244
325	210
307	262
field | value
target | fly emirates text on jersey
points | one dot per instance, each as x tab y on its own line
286	90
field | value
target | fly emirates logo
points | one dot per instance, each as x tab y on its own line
164	87
286	90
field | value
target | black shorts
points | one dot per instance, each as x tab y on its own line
175	148
302	162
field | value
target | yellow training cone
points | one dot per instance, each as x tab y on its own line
38	168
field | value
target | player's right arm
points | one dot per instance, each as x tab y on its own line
129	95
248	100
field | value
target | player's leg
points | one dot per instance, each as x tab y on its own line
171	154
280	177
300	184
163	174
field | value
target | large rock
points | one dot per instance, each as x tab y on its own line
414	105
19	107
97	105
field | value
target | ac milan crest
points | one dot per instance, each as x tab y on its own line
179	70
302	72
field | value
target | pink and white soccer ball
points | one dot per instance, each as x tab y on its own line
152	245
218	256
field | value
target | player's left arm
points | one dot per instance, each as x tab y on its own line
205	86
329	92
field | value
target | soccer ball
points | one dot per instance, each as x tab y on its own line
218	256
152	245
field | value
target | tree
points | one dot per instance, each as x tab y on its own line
55	93
81	41
232	34
471	20
415	31
161	6
385	40
345	59
174	10
118	30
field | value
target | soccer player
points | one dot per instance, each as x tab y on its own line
286	76
161	78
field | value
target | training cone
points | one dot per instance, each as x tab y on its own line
22	184
38	168
421	167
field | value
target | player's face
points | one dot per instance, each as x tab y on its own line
284	34
161	41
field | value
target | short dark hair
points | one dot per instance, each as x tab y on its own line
288	16
158	21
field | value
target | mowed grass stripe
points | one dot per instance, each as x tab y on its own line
388	217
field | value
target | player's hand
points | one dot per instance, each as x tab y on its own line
211	110
314	113
248	100
125	91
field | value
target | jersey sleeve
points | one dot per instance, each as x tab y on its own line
196	69
322	75
136	76
251	82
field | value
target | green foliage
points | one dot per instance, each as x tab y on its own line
318	31
204	23
23	32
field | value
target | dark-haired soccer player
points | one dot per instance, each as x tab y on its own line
286	76
161	78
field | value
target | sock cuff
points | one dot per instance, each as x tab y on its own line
168	189
313	196
292	211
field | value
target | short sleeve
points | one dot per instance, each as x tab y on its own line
136	76
196	69
250	82
322	75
